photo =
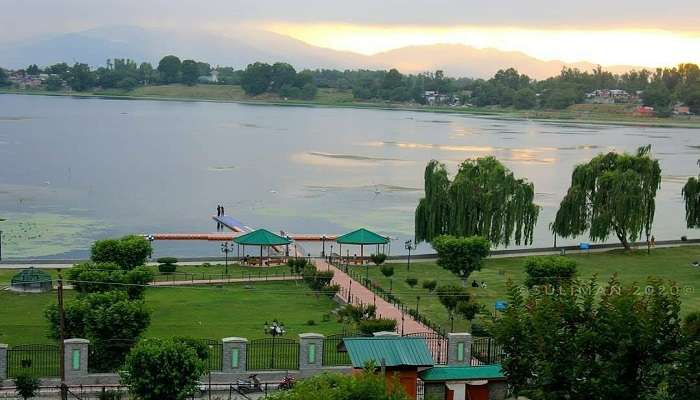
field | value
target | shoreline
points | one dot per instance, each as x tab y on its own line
472	112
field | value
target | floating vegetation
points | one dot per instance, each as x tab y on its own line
374	188
352	157
14	118
28	235
222	168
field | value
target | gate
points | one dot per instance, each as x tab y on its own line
37	360
272	354
485	351
437	344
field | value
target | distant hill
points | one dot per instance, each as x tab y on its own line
95	46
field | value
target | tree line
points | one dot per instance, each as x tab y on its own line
660	88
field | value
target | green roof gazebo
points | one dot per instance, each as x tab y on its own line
361	237
262	238
31	280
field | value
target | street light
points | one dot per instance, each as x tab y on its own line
226	249
409	246
150	239
1	220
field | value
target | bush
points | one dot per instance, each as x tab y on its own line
370	326
198	346
128	252
387	270
378	259
100	277
109	395
311	322
430	285
691	325
317	280
411	281
351	313
331	290
162	369
27	386
297	265
549	270
366	386
167	260
461	255
451	295
467	309
167	268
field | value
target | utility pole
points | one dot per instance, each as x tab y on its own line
62	338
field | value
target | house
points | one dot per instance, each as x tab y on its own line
432	97
681	109
609	96
644	111
213	77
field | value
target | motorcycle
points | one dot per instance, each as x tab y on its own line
287	383
250	385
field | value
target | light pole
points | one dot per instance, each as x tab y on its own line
409	246
417	303
1	220
226	249
150	239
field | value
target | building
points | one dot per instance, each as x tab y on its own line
681	109
434	98
644	111
609	96
464	382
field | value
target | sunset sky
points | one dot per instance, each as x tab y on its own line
641	32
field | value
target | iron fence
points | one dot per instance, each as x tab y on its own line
485	351
213	356
272	354
437	344
37	360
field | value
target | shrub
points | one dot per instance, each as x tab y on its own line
387	270
317	280
198	346
548	270
467	309
451	295
461	255
27	386
369	326
311	322
162	369
378	259
691	325
128	252
351	313
109	395
366	385
297	265
167	260
167	268
331	290
411	281
430	285
100	277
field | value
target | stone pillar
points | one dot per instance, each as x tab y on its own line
459	348
310	352
76	358
234	355
3	361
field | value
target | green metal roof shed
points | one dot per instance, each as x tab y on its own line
361	237
261	237
445	373
394	351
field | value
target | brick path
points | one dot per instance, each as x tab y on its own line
361	295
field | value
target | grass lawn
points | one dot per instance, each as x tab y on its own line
201	312
672	264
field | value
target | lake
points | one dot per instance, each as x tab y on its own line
73	170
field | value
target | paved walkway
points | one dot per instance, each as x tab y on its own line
361	295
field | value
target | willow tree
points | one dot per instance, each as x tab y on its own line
691	195
611	194
484	199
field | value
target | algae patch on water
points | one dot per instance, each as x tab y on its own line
26	235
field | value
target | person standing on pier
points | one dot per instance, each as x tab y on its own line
222	211
218	210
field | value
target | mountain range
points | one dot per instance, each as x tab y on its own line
95	46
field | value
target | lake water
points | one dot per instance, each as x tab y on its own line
73	170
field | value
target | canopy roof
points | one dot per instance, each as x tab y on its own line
462	373
395	351
261	237
31	275
362	236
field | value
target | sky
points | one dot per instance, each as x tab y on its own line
609	32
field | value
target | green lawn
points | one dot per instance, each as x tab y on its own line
202	312
672	264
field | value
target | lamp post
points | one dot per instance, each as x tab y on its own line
409	246
150	239
1	220
417	303
226	249
275	329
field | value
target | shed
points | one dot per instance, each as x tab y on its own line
31	280
462	382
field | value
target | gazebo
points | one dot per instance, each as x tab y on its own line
361	237
31	280
262	238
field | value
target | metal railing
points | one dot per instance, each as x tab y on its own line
272	354
37	360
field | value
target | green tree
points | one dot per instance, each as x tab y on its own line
281	74
110	320
102	277
128	252
146	73
392	80
612	193
461	255
256	78
366	386
657	96
387	270
549	270
189	72
574	344
60	69
484	199
4	80
525	99
33	70
308	92
27	386
54	83
451	295
81	78
169	69
691	197
158	369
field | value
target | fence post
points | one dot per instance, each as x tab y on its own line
3	362
310	353
234	354
76	358
459	348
